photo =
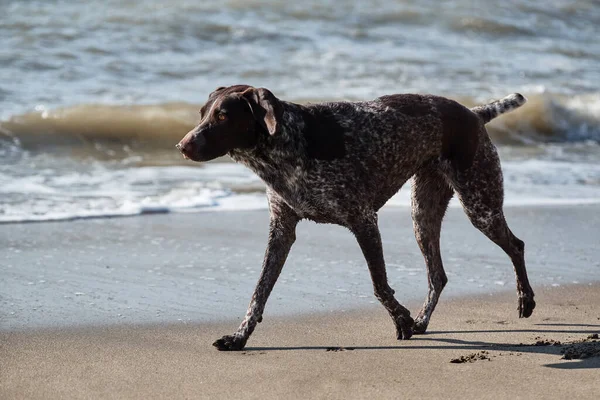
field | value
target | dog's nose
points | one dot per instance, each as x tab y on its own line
182	149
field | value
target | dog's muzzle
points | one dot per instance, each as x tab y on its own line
191	143
180	147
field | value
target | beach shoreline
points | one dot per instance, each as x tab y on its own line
196	268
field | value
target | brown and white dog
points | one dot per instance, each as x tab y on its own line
340	162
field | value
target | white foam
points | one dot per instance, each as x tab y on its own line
538	182
97	190
103	192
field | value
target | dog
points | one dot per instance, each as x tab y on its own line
340	162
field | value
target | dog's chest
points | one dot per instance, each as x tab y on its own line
313	195
312	205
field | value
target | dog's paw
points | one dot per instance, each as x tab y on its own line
230	343
526	306
404	328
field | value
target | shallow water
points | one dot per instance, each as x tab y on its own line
94	95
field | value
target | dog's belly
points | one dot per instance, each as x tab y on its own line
315	204
340	201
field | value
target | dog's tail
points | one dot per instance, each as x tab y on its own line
490	111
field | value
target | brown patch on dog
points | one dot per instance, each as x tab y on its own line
460	134
324	135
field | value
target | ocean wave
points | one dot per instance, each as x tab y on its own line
545	118
550	119
145	126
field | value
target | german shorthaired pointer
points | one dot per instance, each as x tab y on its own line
340	162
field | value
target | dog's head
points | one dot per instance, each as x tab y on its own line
234	117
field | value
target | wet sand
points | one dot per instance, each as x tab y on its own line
337	355
193	268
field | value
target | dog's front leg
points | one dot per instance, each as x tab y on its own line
282	234
367	234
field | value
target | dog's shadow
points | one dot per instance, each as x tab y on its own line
549	347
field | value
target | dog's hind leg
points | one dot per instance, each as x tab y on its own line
431	194
282	234
367	234
480	190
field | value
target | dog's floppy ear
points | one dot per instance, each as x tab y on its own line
266	108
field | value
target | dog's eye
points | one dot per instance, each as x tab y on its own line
221	117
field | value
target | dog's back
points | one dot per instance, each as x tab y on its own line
363	152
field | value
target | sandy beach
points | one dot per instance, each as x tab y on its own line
103	309
339	355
